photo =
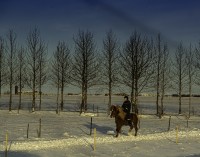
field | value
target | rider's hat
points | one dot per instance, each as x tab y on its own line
126	96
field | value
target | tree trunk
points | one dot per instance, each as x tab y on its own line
10	100
40	103
180	95
20	89
132	96
190	94
136	96
158	74
33	101
62	96
40	87
20	98
86	107
83	99
110	96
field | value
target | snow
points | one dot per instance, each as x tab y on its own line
68	134
110	132
87	141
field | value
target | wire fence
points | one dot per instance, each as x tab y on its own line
68	125
47	125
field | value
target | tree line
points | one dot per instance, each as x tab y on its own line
139	64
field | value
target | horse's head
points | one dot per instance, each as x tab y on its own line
113	111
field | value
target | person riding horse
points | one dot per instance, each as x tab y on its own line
127	108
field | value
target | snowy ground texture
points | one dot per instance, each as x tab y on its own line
68	134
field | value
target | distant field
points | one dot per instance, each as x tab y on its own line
72	102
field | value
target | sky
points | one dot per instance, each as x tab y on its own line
60	20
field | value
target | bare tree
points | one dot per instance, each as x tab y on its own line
162	68
11	62
190	62
127	61
2	64
86	66
35	46
42	61
158	70
196	64
61	70
110	56
137	62
21	66
179	72
165	81
55	76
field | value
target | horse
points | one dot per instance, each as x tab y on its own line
119	114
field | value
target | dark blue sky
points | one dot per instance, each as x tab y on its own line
176	20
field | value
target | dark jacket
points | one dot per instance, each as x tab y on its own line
126	106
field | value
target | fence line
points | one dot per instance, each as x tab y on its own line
50	128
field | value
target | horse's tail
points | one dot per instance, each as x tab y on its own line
136	120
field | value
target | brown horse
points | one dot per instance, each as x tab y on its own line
119	114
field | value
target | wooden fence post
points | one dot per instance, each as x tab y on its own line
169	123
95	139
177	134
6	145
27	130
91	126
40	128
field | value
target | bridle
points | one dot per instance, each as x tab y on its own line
113	109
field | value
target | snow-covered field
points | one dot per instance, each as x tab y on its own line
68	134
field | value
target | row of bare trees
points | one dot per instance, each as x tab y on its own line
23	66
139	65
61	70
137	62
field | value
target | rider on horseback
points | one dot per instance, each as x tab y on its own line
127	108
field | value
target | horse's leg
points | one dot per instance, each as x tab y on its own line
118	129
131	127
130	123
136	129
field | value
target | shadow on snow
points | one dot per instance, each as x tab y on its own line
17	154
